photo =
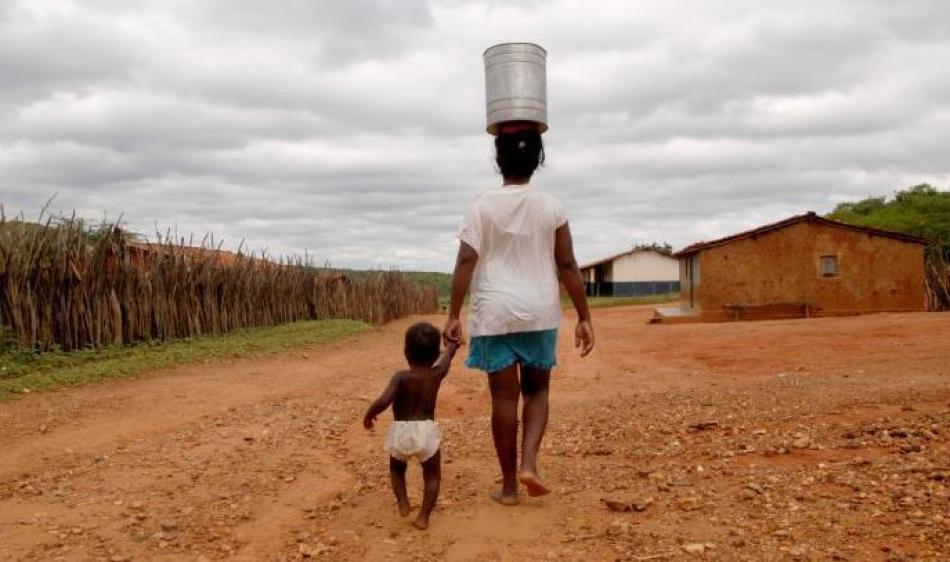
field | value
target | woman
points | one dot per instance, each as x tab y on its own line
515	243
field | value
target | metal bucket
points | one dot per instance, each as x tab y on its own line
516	85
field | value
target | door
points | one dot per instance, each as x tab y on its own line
692	273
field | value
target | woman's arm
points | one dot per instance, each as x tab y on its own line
461	279
570	276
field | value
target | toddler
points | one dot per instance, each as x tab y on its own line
412	394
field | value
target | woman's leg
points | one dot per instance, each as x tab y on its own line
504	429
534	387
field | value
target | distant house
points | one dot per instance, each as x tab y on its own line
802	266
641	271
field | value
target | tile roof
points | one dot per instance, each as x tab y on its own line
807	217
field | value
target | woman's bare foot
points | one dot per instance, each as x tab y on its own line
533	484
504	499
421	524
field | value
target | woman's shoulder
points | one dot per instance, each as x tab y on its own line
494	196
546	198
546	195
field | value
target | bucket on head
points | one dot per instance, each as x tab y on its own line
516	85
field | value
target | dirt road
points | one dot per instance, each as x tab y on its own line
824	439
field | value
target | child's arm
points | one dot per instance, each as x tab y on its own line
384	401
442	364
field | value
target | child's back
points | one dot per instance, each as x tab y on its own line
416	394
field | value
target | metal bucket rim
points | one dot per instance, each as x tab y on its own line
539	47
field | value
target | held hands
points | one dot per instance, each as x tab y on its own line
452	333
452	346
584	337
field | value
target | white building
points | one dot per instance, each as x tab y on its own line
641	271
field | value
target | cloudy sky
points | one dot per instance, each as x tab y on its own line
354	130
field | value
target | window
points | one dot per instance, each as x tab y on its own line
828	266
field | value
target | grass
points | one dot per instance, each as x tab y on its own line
23	372
606	302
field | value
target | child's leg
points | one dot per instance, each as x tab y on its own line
432	477
397	474
534	388
504	429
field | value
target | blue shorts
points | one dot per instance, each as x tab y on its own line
531	349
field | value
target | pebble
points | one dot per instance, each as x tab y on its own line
695	548
628	505
801	442
691	503
619	528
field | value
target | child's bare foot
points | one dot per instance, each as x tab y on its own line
505	499
404	508
421	524
533	484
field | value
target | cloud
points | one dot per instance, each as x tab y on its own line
353	131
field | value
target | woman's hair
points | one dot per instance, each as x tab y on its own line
519	154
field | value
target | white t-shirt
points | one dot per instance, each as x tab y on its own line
515	286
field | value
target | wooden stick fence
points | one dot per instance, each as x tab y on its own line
64	285
938	282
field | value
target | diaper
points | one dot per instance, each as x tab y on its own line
417	438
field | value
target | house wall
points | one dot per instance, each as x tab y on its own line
645	266
875	273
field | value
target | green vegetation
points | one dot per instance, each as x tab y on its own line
441	281
606	302
24	371
921	210
661	247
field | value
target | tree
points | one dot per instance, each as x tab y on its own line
921	210
661	247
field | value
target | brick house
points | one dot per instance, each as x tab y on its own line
802	266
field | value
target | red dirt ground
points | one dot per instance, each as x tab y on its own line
830	441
